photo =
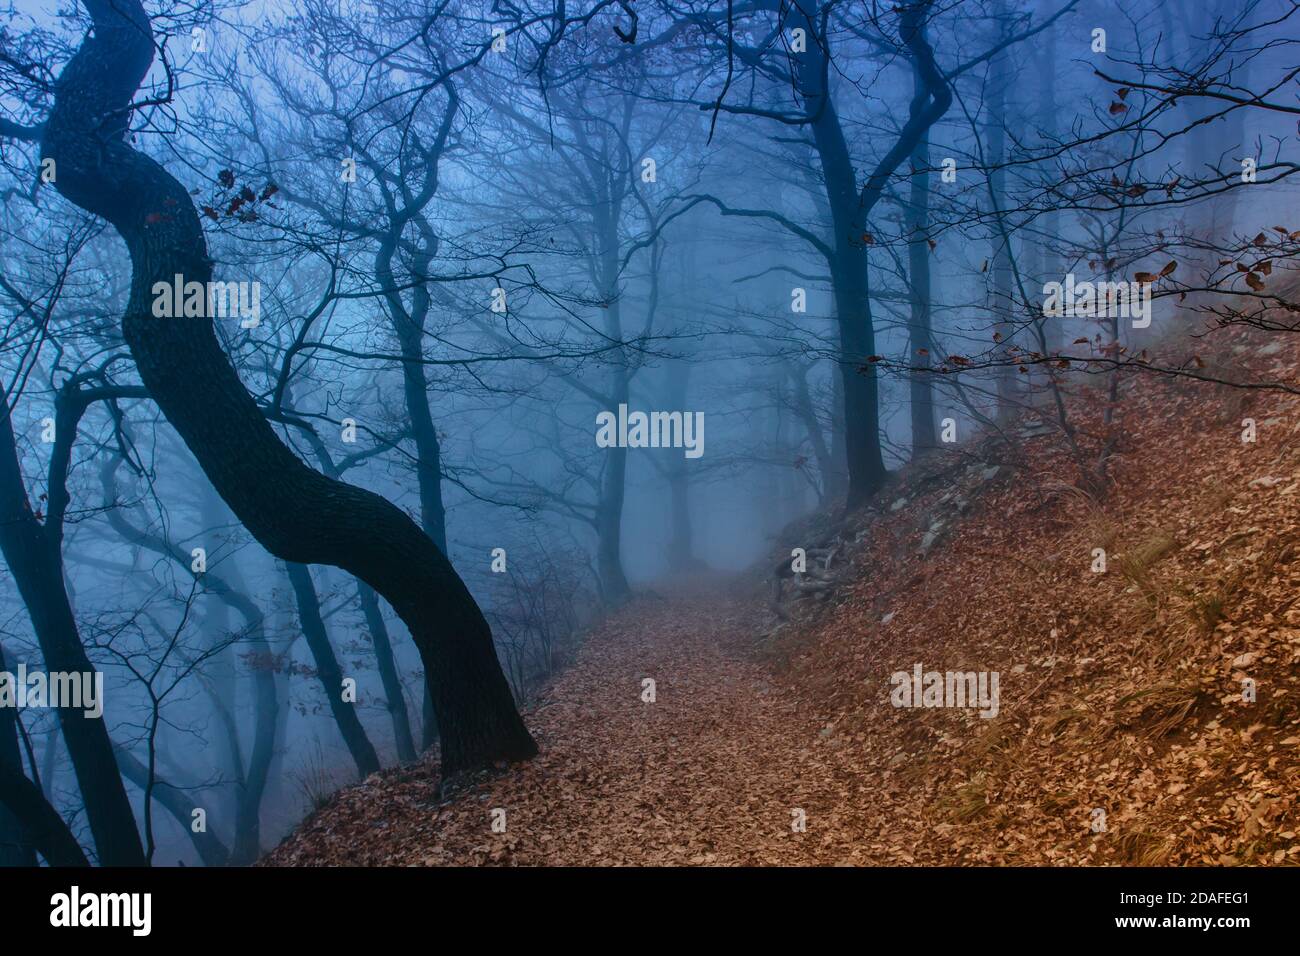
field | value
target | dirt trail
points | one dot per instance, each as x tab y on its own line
711	772
1125	732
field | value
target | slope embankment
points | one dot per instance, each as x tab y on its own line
1147	711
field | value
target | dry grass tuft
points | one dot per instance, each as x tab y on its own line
1137	563
1156	712
1143	848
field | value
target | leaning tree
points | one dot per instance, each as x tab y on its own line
294	511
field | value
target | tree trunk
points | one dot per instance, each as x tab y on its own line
806	413
227	587
681	545
613	487
837	487
328	670
220	667
1004	324
246	846
42	823
210	849
394	698
385	661
866	463
863	457
294	512
28	822
920	342
16	847
36	563
1053	330
609	529
408	326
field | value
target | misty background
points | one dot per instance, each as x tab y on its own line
467	244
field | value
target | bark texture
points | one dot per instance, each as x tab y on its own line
33	551
296	513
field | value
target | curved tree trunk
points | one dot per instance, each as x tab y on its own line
296	513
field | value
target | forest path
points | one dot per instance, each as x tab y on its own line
707	773
1115	696
710	772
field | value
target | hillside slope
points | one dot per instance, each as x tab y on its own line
1122	734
